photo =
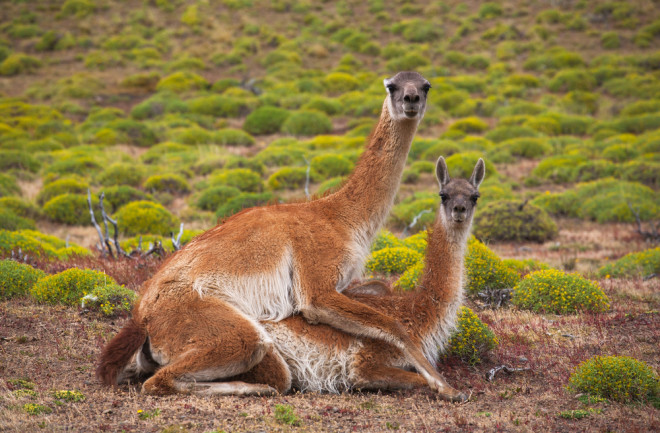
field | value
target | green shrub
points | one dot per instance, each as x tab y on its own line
527	147
288	178
8	186
610	40
502	133
16	279
68	396
393	260
340	82
462	164
118	196
71	209
641	107
110	299
572	79
244	179
183	81
79	8
417	242
329	186
218	106
172	183
485	271
558	168
472	339
27	243
619	152
17	64
552	291
421	205
328	106
417	30
131	132
212	198
18	160
122	173
437	148
10	221
554	59
265	120
80	165
331	165
513	220
73	185
594	169
233	137
524	267
69	286
578	102
469	125
409	61
639	264
618	378
243	201
20	207
307	123
145	217
36	409
159	104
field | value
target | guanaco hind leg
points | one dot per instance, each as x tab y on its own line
200	342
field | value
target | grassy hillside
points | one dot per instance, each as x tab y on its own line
188	111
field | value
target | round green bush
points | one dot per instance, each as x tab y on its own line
18	63
485	271
331	165
646	172
469	125
8	186
618	378
619	152
118	196
132	132
328	106
524	267
265	120
28	245
639	264
218	106
122	174
71	209
172	183
181	82
513	220
72	185
233	137
20	207
527	147
243	201
307	123
16	279
445	148
69	286
558	168
340	82
81	165
244	179
18	160
288	178
281	155
462	164
472	339
110	299
572	79
393	260
10	221
145	217
212	198
421	206
610	40
594	169
552	291
331	185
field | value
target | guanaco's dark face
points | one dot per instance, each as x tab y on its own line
407	95
459	196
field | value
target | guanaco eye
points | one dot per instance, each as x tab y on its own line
391	88
444	197
426	88
474	198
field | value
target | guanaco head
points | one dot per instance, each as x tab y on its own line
459	196
407	95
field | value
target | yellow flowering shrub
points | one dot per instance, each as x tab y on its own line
70	396
385	239
393	260
409	279
553	291
525	266
67	287
619	378
110	299
417	242
36	409
472	338
638	264
16	279
484	270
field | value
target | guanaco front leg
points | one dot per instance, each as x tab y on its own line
335	309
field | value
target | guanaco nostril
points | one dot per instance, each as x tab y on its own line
411	98
459	209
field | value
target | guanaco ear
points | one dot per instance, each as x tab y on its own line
387	82
442	172
478	174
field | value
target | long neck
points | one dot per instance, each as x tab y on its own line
368	195
442	280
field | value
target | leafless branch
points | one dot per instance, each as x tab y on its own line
651	236
490	376
495	298
309	167
414	221
156	248
520	208
98	228
176	243
106	218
